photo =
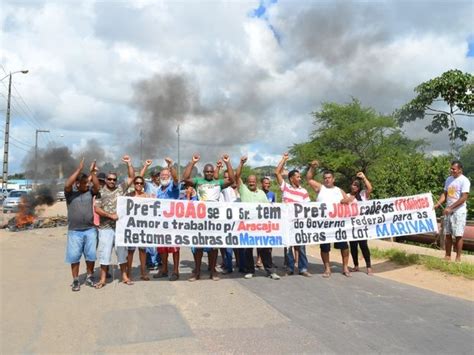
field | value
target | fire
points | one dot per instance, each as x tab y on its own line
25	215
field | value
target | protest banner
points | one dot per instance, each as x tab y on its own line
154	222
317	223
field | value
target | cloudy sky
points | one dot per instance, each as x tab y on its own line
239	77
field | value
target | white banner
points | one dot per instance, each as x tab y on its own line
154	222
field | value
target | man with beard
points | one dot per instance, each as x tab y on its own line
208	189
169	190
250	193
151	188
329	194
291	193
82	234
106	208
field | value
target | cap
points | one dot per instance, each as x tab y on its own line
101	176
155	172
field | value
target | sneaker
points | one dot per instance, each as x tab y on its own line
76	286
225	272
248	276
305	274
90	281
274	276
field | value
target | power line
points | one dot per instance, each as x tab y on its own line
16	139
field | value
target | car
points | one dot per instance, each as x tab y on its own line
11	203
4	193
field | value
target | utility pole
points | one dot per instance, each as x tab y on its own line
7	130
141	146
36	153
179	160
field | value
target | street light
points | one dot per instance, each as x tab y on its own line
36	152
7	129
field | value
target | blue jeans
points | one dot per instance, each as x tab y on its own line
302	262
152	256
228	259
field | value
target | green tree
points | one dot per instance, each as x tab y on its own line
351	138
466	155
453	89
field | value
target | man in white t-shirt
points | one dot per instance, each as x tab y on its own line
456	191
329	193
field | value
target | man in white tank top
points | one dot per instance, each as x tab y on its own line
329	193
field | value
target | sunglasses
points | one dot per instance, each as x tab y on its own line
139	183
111	179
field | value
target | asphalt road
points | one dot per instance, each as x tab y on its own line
357	315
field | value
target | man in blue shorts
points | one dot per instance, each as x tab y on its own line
81	234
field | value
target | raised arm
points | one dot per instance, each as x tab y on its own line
131	173
226	160
95	181
174	173
310	174
279	168
146	165
189	168
238	173
71	179
218	168
368	185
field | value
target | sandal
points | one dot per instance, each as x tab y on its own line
326	275
99	285
145	278
194	277
346	274
128	282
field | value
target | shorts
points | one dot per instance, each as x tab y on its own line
81	242
133	248
205	250
106	244
326	248
455	223
162	250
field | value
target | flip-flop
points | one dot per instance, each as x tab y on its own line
326	275
145	278
347	274
99	285
129	282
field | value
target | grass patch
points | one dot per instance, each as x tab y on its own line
403	258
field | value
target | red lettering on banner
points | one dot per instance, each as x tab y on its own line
341	210
186	210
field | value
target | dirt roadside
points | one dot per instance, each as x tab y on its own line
414	275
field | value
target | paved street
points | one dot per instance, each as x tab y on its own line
295	314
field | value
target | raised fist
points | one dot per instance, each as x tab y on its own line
169	161
360	175
148	162
126	159
314	164
195	158
226	158
243	159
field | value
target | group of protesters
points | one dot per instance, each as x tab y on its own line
92	214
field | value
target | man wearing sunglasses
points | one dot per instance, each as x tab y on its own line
106	208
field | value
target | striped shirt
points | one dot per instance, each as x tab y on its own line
293	194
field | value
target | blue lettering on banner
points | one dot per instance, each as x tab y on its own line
403	228
250	240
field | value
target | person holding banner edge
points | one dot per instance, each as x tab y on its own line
208	189
106	208
359	194
250	193
329	193
293	192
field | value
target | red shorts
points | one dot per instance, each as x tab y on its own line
172	250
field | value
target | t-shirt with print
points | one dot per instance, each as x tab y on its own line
293	194
171	192
454	188
208	190
108	202
246	195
